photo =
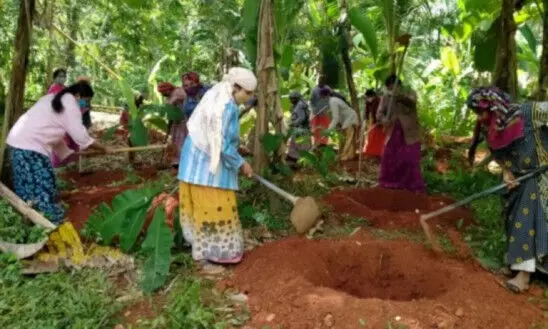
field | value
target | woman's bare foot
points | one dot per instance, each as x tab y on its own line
519	283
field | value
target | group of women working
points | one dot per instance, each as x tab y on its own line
209	161
394	133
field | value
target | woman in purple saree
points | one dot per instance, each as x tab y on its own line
400	162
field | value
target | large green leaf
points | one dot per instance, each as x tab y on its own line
360	20
156	121
450	61
139	134
314	13
109	133
483	7
250	15
157	245
485	47
130	99
132	226
250	21
105	222
287	57
389	18
272	142
528	34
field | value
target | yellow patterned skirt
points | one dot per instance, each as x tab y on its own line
348	149
210	223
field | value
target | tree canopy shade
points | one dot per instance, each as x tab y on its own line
454	47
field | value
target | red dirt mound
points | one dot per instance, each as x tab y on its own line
84	201
386	208
304	284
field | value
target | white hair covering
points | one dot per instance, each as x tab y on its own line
206	123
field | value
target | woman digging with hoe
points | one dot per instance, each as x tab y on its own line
517	136
208	172
400	162
36	135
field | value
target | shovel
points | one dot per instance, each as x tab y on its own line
425	217
305	211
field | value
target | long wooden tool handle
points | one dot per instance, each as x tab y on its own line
479	195
284	194
24	209
128	149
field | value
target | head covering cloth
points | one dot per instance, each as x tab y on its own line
205	124
504	123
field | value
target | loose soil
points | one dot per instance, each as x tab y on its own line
364	283
93	189
395	209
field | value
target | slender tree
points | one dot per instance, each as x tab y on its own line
505	75
16	87
344	31
267	93
48	18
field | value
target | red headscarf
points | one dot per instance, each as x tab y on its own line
192	76
165	88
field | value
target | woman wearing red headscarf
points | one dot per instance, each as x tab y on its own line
185	98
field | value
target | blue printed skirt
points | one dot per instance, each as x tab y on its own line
34	182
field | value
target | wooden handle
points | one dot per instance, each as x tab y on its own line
128	149
284	194
473	197
24	208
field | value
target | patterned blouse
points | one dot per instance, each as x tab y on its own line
194	163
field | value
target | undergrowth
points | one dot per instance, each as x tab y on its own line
487	238
15	229
185	308
81	300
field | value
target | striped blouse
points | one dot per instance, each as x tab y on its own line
194	163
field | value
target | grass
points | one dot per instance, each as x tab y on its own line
487	238
81	300
186	308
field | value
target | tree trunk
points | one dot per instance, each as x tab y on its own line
16	87
73	25
543	75
345	53
49	14
267	90
505	75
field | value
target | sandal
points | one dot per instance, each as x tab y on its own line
514	288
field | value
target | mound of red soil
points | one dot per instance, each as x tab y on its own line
93	189
393	209
84	201
304	284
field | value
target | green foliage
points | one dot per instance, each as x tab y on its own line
362	22
487	238
125	219
15	229
486	43
186	308
157	246
320	160
58	301
271	145
106	222
10	269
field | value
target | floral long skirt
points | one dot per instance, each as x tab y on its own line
34	181
210	223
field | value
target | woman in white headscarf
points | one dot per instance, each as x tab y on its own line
208	171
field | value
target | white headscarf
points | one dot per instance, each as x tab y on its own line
206	123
